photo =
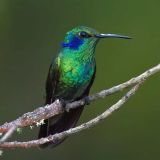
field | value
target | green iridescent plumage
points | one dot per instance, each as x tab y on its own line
70	77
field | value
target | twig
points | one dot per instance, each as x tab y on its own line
31	118
117	88
8	134
89	124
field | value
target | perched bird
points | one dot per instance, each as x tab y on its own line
71	75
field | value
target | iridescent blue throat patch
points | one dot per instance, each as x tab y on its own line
74	44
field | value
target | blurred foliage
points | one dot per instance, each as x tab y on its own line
31	32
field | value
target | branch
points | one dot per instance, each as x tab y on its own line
38	115
32	118
89	124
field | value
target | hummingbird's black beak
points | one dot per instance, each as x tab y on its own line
101	35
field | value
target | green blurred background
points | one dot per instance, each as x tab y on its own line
30	34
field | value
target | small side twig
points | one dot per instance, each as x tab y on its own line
8	134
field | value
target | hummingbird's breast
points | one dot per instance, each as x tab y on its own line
75	76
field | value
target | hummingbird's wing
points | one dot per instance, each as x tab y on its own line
52	79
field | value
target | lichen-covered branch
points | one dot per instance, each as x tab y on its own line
32	118
91	123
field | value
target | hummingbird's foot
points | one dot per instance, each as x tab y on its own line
63	102
86	100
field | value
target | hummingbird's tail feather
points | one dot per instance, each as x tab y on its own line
65	121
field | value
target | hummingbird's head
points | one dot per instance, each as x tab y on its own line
82	38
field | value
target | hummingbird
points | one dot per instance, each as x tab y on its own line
70	77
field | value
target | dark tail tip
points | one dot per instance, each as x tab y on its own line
64	122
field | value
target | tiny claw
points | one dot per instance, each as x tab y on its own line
86	100
63	102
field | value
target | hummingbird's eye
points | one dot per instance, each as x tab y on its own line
84	34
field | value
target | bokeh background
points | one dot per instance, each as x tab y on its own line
30	35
